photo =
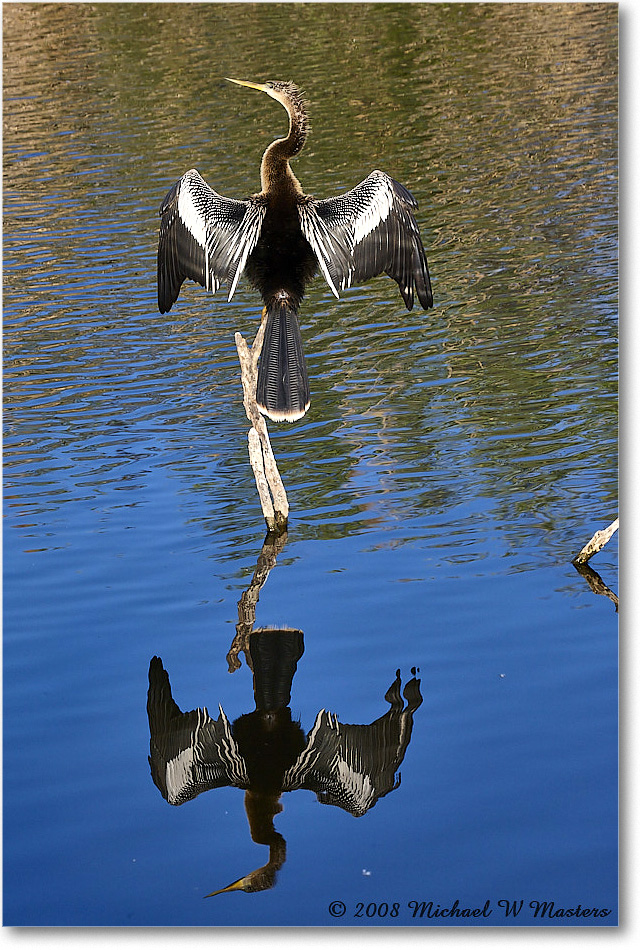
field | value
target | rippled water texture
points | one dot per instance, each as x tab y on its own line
450	466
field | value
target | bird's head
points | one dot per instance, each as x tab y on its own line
289	95
283	92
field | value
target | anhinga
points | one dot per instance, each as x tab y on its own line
280	237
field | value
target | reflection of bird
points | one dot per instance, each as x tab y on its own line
265	752
280	237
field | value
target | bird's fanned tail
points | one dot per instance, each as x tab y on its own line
283	389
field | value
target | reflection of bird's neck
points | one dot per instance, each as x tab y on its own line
261	807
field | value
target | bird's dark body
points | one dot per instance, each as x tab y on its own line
280	238
282	260
280	267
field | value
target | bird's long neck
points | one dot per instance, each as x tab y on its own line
276	174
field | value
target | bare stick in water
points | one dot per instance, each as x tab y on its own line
274	501
596	543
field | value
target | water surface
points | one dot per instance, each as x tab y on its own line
450	466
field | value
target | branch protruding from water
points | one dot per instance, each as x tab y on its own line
274	501
596	543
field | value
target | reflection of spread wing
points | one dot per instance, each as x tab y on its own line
190	753
352	766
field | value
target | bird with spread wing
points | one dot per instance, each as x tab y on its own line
280	238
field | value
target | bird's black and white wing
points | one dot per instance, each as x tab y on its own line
190	752
344	765
204	237
353	766
368	231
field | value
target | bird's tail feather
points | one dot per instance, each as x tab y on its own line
283	389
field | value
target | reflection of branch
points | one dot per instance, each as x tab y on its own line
272	547
596	543
274	501
595	582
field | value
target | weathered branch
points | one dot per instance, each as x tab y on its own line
596	543
274	501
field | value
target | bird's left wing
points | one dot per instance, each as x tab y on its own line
203	236
368	231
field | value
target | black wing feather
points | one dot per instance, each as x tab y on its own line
204	237
352	766
189	752
369	231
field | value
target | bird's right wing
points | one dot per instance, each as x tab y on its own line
203	236
190	752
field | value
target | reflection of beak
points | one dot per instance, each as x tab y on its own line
251	85
263	878
236	886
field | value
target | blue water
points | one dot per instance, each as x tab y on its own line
450	467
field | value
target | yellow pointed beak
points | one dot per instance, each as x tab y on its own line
251	85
